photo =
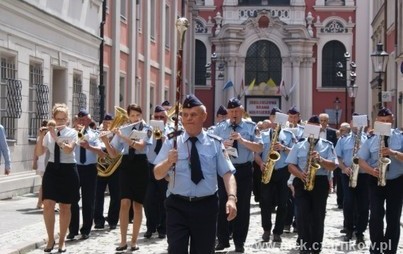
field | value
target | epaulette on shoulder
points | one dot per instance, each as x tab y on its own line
301	139
370	135
214	137
327	141
249	122
287	131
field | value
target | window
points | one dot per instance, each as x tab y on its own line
152	23
200	63
10	95
139	14
333	52
264	2
79	98
167	26
263	62
38	106
123	13
122	92
94	100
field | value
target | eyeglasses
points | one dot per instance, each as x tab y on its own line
159	117
60	119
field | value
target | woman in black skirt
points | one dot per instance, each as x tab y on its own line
60	182
133	172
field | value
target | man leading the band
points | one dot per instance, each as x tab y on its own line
192	204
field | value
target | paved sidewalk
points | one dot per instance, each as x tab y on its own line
22	231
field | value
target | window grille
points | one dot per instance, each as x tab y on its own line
38	108
94	101
79	98
10	96
263	62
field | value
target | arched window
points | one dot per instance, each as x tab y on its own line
200	64
259	2
263	62
333	52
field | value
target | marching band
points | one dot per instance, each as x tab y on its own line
295	160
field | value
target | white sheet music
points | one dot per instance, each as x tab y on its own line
311	131
381	128
137	135
281	118
360	121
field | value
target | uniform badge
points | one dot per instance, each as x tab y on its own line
149	133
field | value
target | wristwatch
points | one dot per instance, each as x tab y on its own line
234	197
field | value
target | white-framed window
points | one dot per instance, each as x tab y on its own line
79	98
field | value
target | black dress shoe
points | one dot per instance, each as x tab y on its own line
161	235
111	227
221	246
148	234
71	236
124	247
99	226
50	248
239	249
134	248
276	238
85	236
360	242
62	250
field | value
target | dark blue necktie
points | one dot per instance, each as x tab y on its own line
196	174
57	152
235	144
158	146
83	156
131	149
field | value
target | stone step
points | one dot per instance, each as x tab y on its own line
17	184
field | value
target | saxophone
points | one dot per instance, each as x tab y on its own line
354	165
311	166
383	163
272	158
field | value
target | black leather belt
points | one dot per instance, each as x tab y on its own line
246	164
191	199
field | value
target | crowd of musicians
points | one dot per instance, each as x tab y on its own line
195	184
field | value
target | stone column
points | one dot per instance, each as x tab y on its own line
295	95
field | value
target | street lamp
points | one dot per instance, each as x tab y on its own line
211	73
379	63
352	88
336	104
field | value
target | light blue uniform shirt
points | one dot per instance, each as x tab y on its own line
247	131
369	152
285	138
151	155
213	161
91	157
345	148
299	155
121	146
68	135
4	148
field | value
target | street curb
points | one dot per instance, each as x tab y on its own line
24	248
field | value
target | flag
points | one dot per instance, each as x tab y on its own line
252	84
242	91
271	83
228	85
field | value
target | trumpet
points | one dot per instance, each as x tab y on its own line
80	134
157	133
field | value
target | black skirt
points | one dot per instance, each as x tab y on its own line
62	183
134	176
